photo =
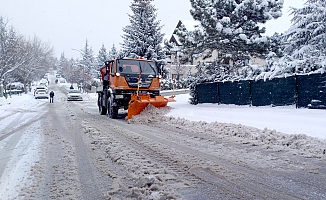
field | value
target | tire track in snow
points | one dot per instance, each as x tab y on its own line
16	125
157	158
189	160
142	176
56	175
20	118
22	151
204	143
159	145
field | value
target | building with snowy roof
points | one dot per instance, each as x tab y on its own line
180	68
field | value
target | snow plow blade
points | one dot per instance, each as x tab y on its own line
140	102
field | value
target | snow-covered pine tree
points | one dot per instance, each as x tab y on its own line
63	64
188	49
143	37
66	67
87	66
102	57
88	61
233	28
271	69
87	57
306	39
303	44
113	53
200	77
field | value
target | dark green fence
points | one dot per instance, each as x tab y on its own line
234	92
207	93
311	87
296	90
278	92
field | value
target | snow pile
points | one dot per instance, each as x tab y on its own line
300	144
142	178
150	114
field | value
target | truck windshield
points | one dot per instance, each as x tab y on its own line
136	66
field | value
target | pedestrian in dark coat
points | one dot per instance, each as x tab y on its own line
51	96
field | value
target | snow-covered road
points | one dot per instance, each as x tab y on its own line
66	150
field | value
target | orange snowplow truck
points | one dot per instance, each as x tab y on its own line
129	84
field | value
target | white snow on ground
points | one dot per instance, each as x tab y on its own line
23	158
307	146
301	130
279	127
285	119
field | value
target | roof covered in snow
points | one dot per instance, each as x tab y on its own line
190	26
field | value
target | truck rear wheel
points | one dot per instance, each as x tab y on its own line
113	110
102	109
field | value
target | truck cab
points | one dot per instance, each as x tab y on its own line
122	78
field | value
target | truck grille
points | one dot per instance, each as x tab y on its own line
133	82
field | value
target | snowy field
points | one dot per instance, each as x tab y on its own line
288	119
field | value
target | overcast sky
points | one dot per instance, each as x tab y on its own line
66	24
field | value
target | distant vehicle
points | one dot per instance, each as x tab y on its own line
61	80
41	87
15	86
41	94
74	95
43	82
58	76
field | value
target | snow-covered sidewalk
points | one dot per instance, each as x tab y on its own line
285	119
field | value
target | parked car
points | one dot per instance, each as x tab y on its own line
40	87
74	95
61	80
41	94
15	86
43	84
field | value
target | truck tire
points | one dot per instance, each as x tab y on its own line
112	110
102	109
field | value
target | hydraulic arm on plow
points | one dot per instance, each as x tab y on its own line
129	84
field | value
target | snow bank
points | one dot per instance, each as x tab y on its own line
302	144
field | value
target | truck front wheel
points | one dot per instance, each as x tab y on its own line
113	110
101	108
